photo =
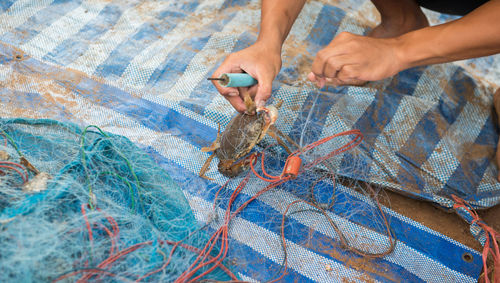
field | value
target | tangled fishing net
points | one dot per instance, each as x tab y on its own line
82	204
93	207
295	195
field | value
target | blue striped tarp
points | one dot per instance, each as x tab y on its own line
138	69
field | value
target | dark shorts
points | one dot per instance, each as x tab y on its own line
453	7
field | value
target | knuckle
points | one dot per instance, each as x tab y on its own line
344	35
332	63
348	72
322	55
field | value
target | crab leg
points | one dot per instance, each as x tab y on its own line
205	166
272	113
281	134
215	145
273	134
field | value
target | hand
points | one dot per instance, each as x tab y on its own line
260	62
352	59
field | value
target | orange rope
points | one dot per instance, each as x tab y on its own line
222	233
490	233
204	259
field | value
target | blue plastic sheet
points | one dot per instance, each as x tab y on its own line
139	69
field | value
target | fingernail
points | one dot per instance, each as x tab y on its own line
260	103
233	94
311	77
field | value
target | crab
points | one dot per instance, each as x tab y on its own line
241	135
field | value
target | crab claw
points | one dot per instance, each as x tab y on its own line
272	114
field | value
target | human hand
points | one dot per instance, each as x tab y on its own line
351	59
260	62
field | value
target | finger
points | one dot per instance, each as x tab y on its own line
311	77
228	66
263	94
318	81
348	72
348	75
333	81
334	64
253	90
228	91
351	82
320	60
321	82
264	89
237	103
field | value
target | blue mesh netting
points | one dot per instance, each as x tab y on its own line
44	231
139	68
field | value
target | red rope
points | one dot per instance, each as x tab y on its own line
490	234
350	145
87	223
204	259
114	226
222	233
116	254
113	236
7	165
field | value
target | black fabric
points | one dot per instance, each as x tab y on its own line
452	7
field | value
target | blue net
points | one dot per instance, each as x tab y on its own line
138	69
88	204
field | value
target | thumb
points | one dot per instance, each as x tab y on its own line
264	90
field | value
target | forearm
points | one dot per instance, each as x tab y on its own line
277	18
474	35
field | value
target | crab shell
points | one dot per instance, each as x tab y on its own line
241	134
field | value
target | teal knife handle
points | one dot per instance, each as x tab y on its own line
237	80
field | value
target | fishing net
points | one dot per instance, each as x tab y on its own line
82	203
138	69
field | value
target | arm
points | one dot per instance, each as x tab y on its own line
475	35
350	58
262	60
277	18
